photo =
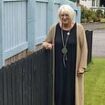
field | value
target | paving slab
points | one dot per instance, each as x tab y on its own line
98	42
98	45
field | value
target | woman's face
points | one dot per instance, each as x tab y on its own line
65	18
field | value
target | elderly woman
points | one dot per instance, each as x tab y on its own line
68	41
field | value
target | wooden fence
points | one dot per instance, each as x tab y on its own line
26	82
24	24
29	80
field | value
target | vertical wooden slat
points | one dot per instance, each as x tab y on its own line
14	83
44	77
37	82
9	84
5	87
25	100
50	75
27	82
19	83
1	88
34	79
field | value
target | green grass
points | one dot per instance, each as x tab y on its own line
95	82
102	20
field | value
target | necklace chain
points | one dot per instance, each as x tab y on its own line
64	49
67	37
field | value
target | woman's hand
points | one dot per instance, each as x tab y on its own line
80	71
47	45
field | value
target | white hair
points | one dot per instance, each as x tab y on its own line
68	9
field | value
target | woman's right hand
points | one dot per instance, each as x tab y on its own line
47	45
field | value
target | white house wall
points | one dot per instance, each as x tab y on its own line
87	3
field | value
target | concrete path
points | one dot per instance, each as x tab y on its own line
94	26
98	46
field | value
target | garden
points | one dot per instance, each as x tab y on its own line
92	15
95	82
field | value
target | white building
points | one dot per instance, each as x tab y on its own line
87	3
90	3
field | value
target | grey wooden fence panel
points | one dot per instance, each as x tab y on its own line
25	24
41	21
14	28
55	16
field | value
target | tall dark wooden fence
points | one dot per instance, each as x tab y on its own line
26	82
29	81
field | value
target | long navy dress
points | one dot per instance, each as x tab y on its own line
65	76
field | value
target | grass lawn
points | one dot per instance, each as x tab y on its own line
102	20
95	82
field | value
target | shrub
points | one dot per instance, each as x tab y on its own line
89	15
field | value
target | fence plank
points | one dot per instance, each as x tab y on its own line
43	67
27	82
37	83
1	88
18	71
50	78
25	92
34	86
9	84
5	86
